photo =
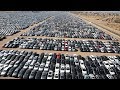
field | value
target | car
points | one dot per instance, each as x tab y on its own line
76	62
46	69
50	74
62	68
67	68
62	75
21	73
110	76
98	76
15	73
36	66
68	76
11	70
44	75
32	74
92	76
110	63
27	73
41	66
82	64
38	75
106	64
56	76
57	67
86	77
93	57
84	71
111	71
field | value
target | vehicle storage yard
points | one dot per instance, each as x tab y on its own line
56	45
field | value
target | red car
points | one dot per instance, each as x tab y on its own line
58	56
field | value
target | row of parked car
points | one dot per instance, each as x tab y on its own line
99	46
30	65
64	45
13	22
67	26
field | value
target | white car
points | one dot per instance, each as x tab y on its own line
117	61
92	57
91	49
62	68
69	49
56	76
110	76
25	66
41	66
75	57
92	76
67	57
33	62
45	55
46	69
67	68
111	71
76	62
49	57
84	71
57	68
81	61
8	61
29	61
82	64
113	61
47	62
50	74
106	64
31	67
47	65
5	65
101	49
110	63
63	48
57	65
36	68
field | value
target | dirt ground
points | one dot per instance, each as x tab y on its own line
110	22
88	20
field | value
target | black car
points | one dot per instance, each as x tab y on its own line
21	73
68	76
74	76
27	73
38	75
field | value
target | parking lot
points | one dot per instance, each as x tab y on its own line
60	46
30	65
